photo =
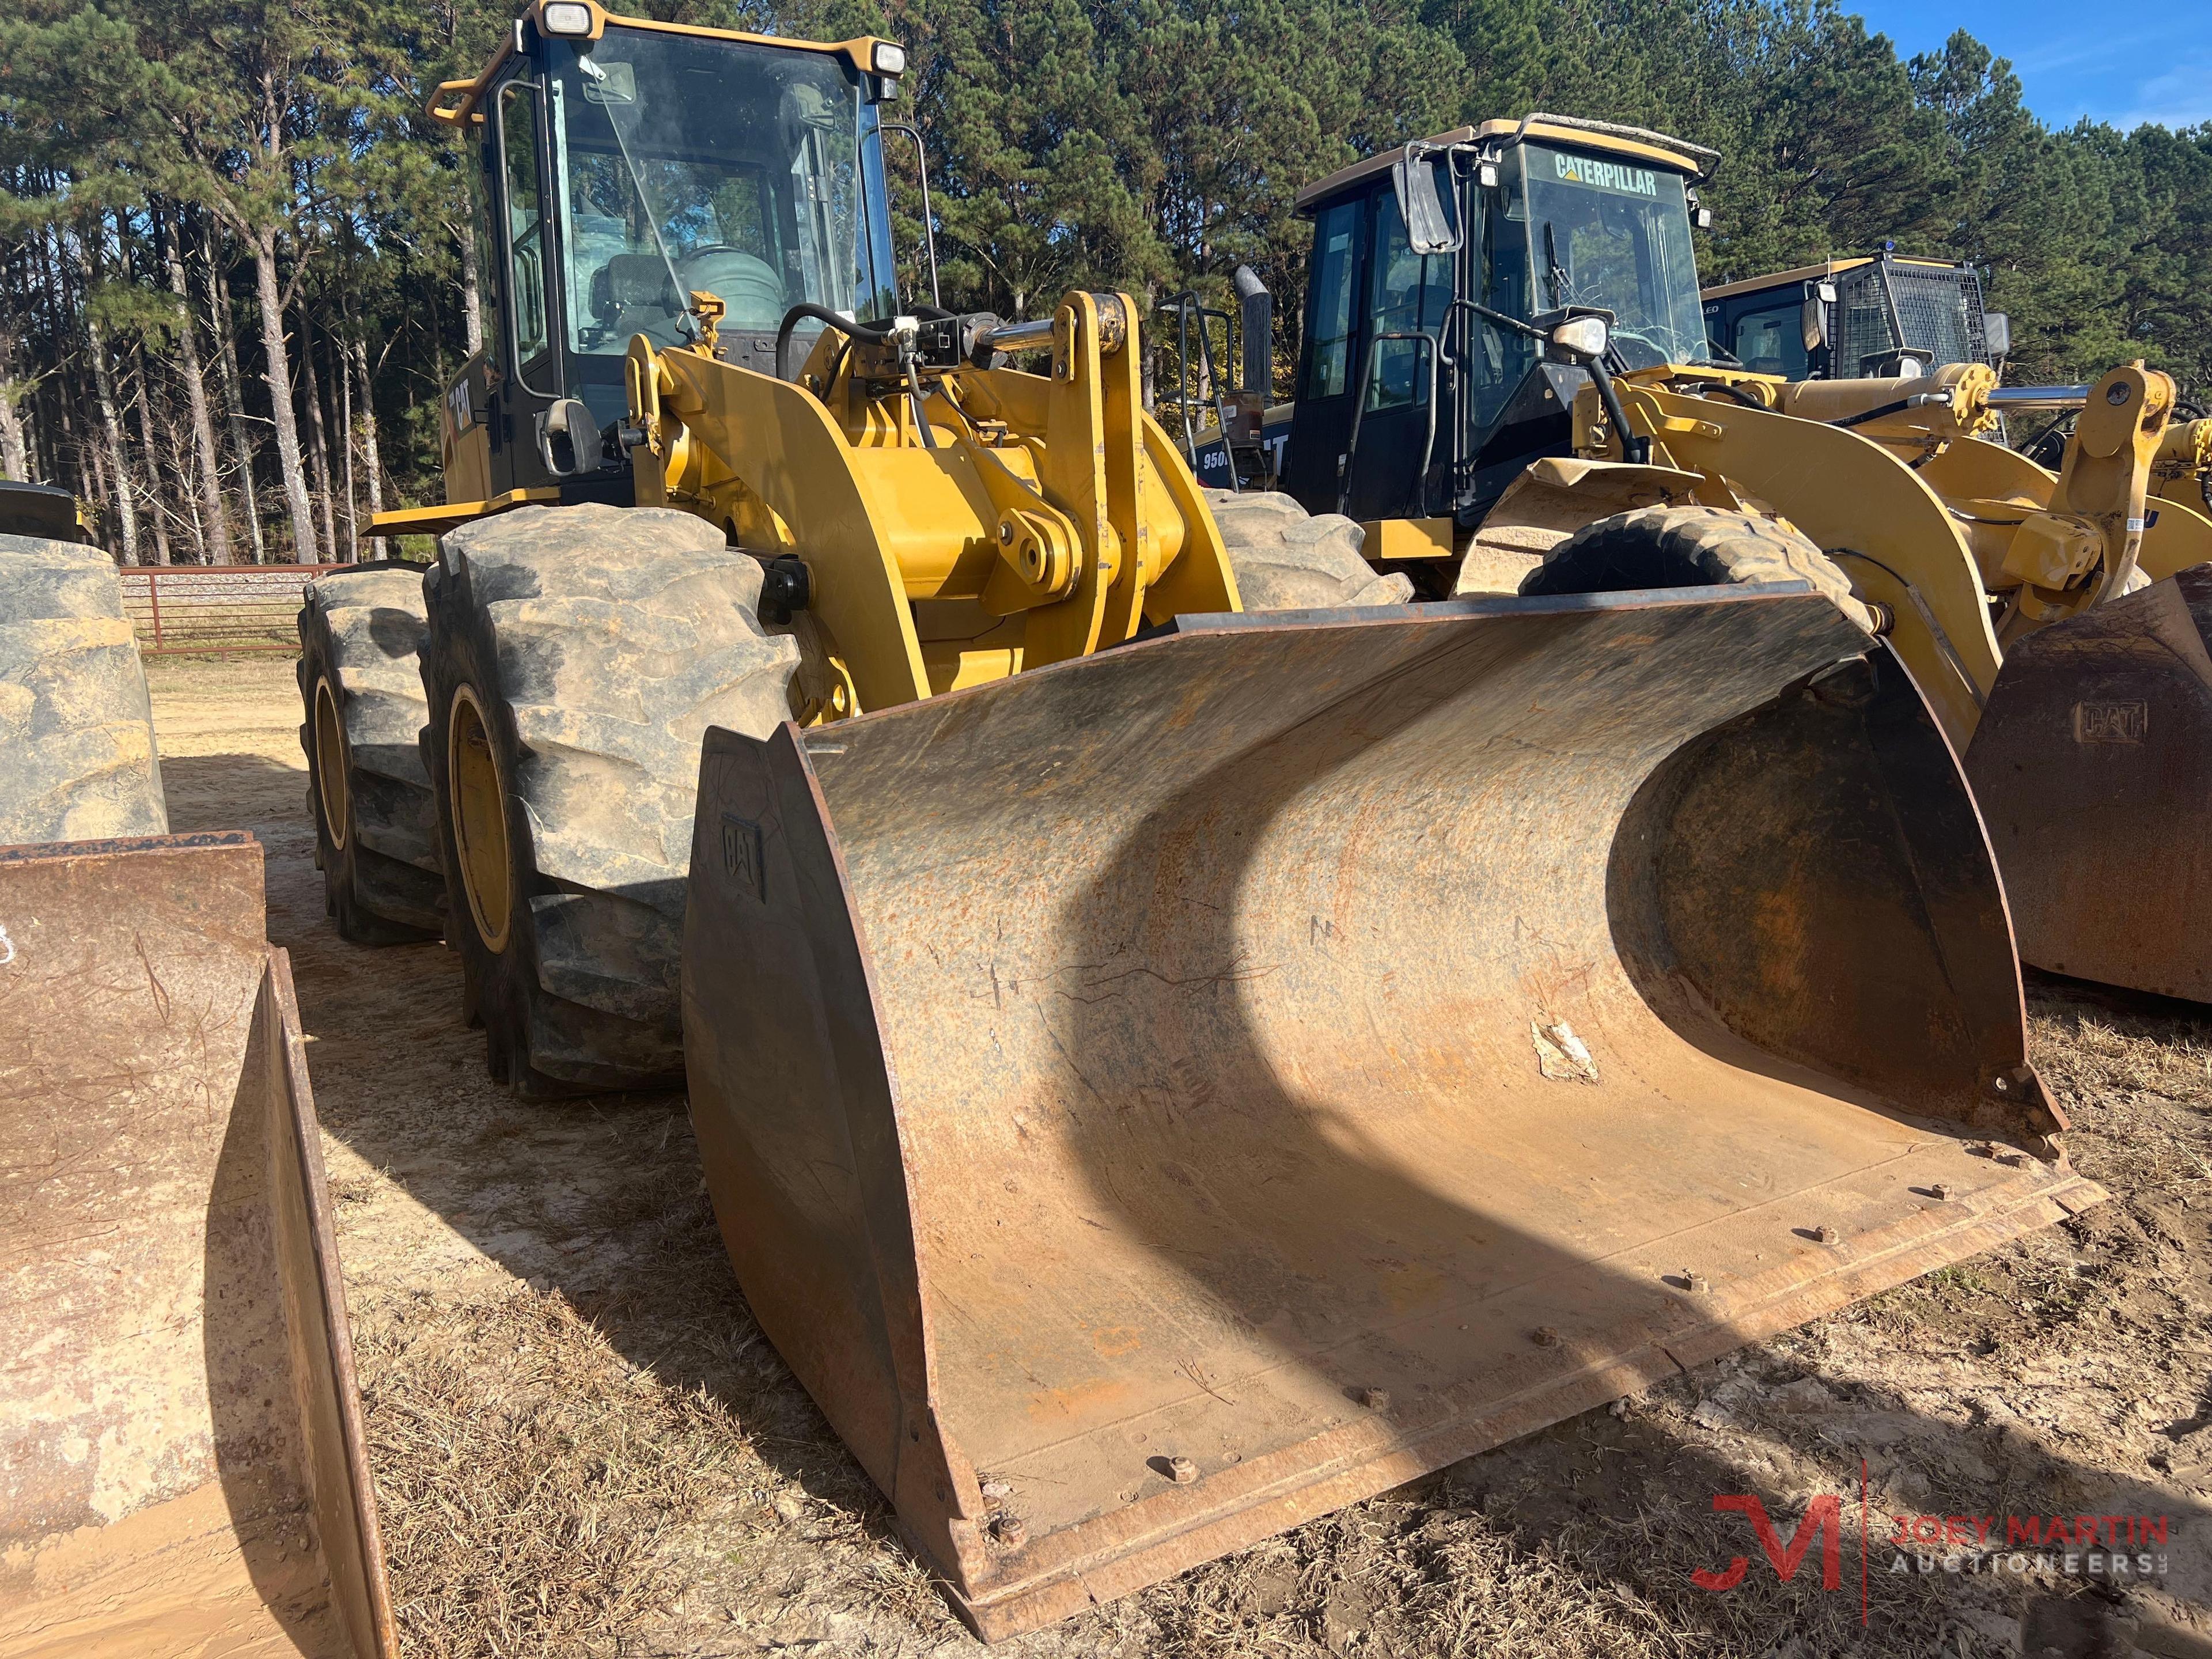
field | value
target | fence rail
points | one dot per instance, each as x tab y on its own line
216	610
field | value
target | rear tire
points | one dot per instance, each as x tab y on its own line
77	725
1287	559
369	790
1659	547
576	657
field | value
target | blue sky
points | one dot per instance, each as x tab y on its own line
2124	61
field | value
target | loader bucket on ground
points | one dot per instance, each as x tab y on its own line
181	1461
2092	764
1194	1087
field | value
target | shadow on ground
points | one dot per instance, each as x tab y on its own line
2054	1377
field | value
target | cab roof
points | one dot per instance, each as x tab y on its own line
454	103
1807	273
1693	160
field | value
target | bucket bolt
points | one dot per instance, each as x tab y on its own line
1827	1235
1940	1192
1696	1282
1181	1471
1375	1399
1545	1337
1010	1530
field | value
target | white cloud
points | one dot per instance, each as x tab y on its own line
2077	51
2180	97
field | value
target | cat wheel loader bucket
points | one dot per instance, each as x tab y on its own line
2092	764
181	1461
1156	1099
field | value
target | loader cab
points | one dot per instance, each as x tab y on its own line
1529	218
620	164
1880	315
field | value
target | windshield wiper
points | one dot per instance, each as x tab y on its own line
1555	273
686	322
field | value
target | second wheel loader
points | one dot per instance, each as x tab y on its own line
1506	371
1178	1037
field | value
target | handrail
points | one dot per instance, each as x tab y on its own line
928	226
1185	305
1427	341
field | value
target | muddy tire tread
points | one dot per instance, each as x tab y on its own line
612	638
365	627
1659	547
1288	559
76	722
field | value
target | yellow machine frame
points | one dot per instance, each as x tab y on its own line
1930	519
1039	517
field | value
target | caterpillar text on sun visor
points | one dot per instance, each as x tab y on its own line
1605	175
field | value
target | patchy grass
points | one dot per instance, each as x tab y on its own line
583	1445
529	1478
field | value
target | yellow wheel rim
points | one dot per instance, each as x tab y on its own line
479	807
330	761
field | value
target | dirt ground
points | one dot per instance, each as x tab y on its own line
583	1445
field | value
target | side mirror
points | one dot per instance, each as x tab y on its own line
1428	227
1906	363
1996	335
1813	325
568	439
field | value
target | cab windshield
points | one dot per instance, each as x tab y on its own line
683	163
1612	234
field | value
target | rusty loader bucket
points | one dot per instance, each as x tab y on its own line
2092	764
1154	1100
181	1463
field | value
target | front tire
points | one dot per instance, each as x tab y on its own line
361	693
576	657
1287	559
1660	547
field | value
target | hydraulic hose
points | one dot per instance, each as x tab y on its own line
1632	447
1709	387
829	318
1918	400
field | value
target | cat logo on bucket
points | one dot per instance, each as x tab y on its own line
2110	722
742	855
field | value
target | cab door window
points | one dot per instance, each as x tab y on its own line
1771	340
1329	324
1499	358
1409	293
526	259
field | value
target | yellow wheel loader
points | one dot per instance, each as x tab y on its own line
182	1464
1507	374
1179	1038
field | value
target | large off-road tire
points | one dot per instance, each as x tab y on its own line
360	694
1690	547
576	657
77	760
1288	559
